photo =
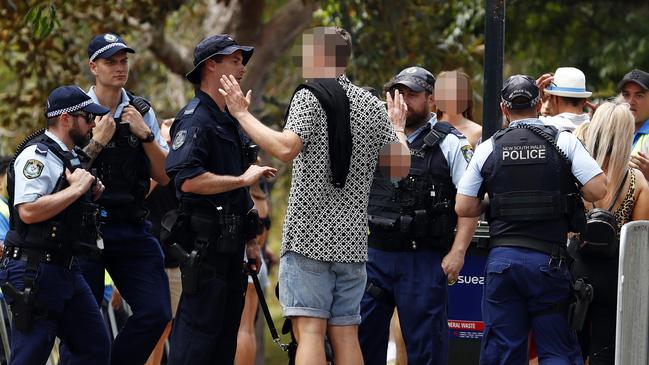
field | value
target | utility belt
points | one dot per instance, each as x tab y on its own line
49	236
24	307
123	214
193	237
402	245
52	257
419	231
557	251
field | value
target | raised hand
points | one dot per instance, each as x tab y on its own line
397	110
255	172
235	100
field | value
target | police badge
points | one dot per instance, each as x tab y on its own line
110	38
179	140
33	169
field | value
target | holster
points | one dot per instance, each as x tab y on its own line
190	267
583	295
23	303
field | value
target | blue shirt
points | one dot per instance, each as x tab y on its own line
149	117
644	129
37	173
4	219
584	167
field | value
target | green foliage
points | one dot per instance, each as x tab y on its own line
605	39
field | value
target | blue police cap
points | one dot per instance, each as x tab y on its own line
415	78
523	88
106	45
219	44
70	99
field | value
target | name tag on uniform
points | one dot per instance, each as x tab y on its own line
515	154
100	242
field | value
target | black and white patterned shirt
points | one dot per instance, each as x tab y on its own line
323	222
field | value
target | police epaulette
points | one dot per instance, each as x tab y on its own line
191	106
41	149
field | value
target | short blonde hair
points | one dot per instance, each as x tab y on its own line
609	139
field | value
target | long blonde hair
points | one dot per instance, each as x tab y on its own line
608	139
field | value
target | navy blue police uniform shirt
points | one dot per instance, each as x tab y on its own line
207	139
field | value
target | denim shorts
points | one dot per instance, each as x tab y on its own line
321	289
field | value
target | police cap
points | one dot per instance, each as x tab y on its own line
106	45
219	44
69	99
521	88
415	78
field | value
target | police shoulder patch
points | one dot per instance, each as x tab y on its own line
467	152
33	169
179	139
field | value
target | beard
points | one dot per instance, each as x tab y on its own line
79	138
416	118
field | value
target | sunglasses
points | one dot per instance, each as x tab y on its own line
89	118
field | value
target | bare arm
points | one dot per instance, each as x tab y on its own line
101	135
157	156
209	183
49	206
641	205
284	145
153	151
454	260
595	188
469	206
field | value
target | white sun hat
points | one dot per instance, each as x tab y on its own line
569	82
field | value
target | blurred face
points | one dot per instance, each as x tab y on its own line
317	60
419	105
231	64
112	71
638	101
452	93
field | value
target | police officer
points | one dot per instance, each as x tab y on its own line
210	164
411	223
530	173
53	216
127	153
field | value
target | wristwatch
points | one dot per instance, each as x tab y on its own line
149	138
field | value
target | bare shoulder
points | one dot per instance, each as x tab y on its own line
640	181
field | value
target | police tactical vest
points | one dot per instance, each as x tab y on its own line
417	211
531	187
124	167
75	225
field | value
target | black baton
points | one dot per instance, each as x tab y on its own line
264	308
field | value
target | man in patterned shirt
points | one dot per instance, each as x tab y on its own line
334	131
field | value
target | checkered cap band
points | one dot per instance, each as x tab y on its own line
510	105
104	48
424	85
69	109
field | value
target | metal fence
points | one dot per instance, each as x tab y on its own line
632	327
